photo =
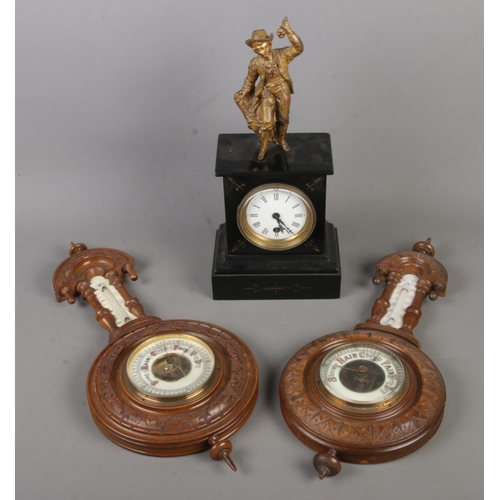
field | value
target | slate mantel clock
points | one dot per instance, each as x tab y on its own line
160	387
370	395
276	242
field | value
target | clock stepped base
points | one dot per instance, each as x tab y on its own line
254	277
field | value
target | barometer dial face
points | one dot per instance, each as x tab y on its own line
276	217
170	366
362	373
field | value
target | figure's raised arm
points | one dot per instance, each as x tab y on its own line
285	29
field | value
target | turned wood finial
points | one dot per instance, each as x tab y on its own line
77	247
220	450
327	463
129	269
424	247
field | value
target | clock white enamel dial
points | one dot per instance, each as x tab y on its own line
170	366
362	374
276	217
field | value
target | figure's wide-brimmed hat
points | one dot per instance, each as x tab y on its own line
259	36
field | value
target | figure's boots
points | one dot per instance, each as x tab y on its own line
266	136
282	128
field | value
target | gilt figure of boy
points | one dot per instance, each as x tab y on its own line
266	104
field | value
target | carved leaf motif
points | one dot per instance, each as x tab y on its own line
153	423
133	420
236	378
114	403
64	271
432	268
233	353
107	365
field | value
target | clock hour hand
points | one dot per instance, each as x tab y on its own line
281	223
281	226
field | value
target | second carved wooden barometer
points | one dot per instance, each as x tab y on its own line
370	395
160	387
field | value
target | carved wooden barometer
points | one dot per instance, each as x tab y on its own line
160	387
370	395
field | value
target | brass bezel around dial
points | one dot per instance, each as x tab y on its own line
392	387
182	395
269	238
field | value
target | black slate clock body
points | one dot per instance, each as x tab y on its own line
242	270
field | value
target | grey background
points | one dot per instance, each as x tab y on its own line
119	104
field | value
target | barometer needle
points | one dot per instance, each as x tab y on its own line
350	369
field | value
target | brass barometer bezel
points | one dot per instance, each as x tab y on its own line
409	376
172	401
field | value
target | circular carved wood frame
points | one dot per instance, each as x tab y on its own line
193	426
362	437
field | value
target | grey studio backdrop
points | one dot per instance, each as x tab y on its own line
119	105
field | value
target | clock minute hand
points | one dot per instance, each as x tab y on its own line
286	227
